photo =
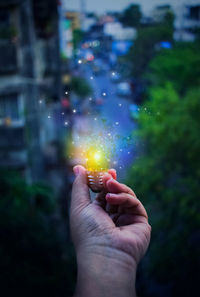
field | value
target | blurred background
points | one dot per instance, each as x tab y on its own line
68	68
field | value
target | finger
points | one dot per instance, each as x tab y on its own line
80	190
110	209
128	202
106	177
100	198
113	173
113	186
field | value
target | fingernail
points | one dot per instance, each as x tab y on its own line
76	170
108	195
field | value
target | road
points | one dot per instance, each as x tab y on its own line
115	116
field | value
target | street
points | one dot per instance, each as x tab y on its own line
111	118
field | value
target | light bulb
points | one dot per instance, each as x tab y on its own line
96	166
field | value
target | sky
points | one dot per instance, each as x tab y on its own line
100	6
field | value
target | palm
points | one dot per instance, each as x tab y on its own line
127	232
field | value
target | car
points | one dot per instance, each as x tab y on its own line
115	76
124	89
134	111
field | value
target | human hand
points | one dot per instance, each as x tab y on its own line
112	229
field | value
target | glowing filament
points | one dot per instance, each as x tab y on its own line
96	160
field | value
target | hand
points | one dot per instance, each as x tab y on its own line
112	229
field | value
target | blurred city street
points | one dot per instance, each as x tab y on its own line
105	104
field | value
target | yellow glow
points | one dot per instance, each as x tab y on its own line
97	156
95	159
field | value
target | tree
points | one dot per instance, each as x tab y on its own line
180	66
77	38
31	249
131	16
166	178
144	47
80	87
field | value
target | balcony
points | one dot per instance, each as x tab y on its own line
11	138
191	23
8	58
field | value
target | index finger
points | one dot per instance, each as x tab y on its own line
125	200
113	186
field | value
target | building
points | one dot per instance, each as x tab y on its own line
159	12
29	81
118	32
187	22
74	17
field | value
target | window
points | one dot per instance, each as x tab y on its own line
194	12
9	107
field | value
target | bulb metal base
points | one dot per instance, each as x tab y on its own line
95	180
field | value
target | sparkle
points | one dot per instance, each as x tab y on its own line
80	61
120	105
109	134
49	116
121	150
115	162
117	123
113	73
74	110
95	119
129	153
90	99
40	101
63	113
66	123
104	94
66	93
91	77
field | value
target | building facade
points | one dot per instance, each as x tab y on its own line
187	22
29	81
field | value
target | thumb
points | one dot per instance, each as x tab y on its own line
80	191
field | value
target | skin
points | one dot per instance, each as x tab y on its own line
110	234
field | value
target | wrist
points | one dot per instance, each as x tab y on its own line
105	272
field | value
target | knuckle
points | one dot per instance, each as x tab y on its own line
149	227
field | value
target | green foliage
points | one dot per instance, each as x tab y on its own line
77	37
166	178
180	66
80	87
31	252
144	48
131	16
